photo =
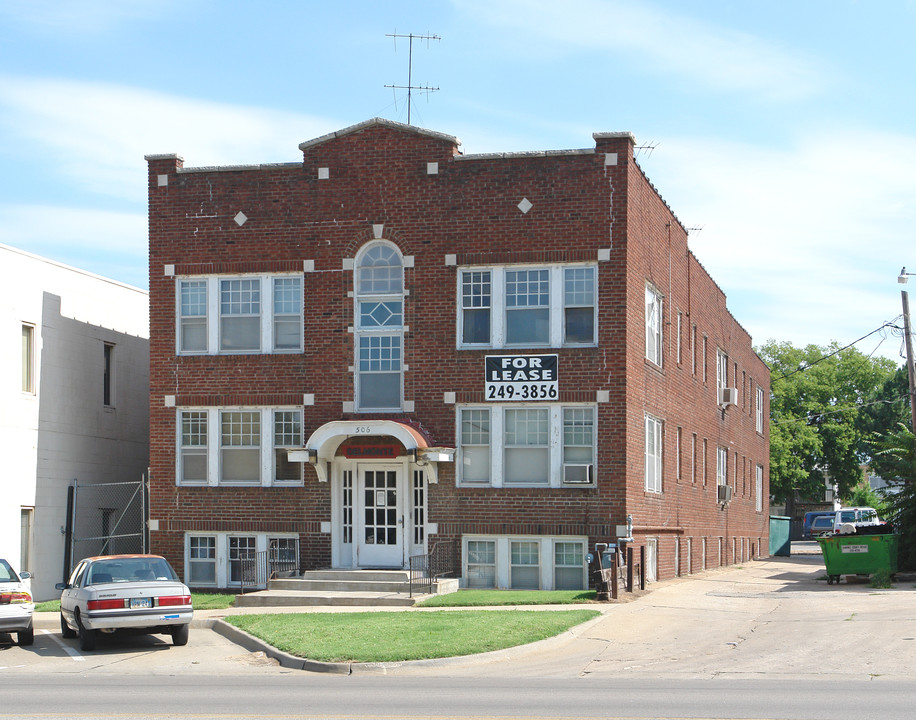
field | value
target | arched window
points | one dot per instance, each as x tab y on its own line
379	328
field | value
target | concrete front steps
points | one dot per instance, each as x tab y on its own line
349	588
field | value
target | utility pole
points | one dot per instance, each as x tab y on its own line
410	87
908	340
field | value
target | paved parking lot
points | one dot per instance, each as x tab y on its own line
206	653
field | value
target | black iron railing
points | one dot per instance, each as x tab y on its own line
441	561
257	568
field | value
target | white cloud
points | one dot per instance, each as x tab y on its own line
100	132
84	17
110	244
810	237
713	56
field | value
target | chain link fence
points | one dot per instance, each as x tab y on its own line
106	519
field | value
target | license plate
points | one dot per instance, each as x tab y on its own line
141	603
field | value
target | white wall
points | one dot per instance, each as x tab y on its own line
64	431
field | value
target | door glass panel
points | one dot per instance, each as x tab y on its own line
381	511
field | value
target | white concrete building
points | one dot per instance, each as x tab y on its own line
74	405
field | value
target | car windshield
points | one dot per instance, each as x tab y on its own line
7	574
130	570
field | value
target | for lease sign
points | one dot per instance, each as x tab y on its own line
521	377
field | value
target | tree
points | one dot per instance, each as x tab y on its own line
816	427
898	450
888	408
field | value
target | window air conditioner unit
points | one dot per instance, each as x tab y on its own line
728	396
725	493
577	474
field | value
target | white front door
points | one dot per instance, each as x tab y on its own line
380	517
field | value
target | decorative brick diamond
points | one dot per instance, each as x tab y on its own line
525	205
241	218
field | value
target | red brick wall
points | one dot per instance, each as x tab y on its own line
379	175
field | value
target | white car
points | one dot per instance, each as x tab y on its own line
129	593
16	606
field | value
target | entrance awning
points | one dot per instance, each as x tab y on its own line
321	447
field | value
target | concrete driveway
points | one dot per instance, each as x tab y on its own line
775	617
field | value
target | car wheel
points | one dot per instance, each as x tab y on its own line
180	635
87	637
65	630
26	637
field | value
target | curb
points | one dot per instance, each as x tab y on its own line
254	644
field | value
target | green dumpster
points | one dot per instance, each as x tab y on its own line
858	555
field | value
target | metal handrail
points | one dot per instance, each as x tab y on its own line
426	568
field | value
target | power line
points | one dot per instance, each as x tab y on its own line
807	366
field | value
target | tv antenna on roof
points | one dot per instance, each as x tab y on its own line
410	87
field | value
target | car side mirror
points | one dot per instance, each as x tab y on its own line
60	586
25	575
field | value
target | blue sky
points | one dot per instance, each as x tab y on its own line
782	131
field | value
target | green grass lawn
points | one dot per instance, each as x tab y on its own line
398	636
200	601
479	598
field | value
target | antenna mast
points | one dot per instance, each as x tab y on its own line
410	87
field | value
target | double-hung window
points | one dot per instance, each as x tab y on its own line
379	328
475	446
759	410
528	306
721	375
235	315
192	330
240	315
653	325
287	435
238	446
653	454
481	564
202	560
193	455
568	565
538	445
721	466
525	565
526	443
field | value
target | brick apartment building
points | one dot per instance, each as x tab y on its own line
391	345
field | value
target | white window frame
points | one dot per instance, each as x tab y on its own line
721	465
556	448
654	451
221	541
496	302
721	374
28	358
502	558
213	447
210	561
212	318
759	410
654	323
378	349
758	489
